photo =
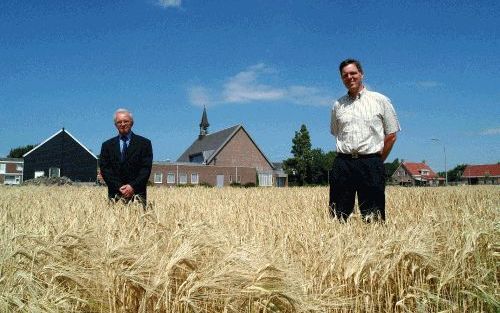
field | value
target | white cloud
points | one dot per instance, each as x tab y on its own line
247	86
491	131
244	87
199	96
169	3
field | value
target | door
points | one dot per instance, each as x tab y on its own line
220	181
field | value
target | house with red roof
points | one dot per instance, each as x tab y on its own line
416	174
485	174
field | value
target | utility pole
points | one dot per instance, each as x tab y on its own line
444	152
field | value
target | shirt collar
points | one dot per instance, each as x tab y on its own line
128	136
359	95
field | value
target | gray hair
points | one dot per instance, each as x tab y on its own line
121	110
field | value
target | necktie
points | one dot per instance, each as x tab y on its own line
124	147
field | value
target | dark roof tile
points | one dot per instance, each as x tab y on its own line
207	143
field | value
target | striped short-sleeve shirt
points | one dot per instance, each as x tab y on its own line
361	124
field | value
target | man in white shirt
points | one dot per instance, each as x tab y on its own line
365	125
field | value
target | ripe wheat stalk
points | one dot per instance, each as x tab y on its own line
66	249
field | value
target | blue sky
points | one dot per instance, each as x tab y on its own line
269	65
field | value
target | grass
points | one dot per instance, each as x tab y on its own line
65	249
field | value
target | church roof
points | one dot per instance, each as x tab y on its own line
204	119
207	145
210	145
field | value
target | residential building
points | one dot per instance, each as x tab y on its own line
415	174
485	174
11	171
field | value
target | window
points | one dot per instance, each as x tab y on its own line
12	180
194	178
170	178
54	172
238	179
183	178
2	168
265	180
19	167
196	158
39	174
158	178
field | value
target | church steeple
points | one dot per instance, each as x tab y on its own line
204	124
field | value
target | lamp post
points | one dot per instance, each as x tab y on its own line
444	152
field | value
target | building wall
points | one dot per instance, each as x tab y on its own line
11	169
402	177
481	180
62	152
241	151
206	173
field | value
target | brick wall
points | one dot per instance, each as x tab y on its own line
403	178
241	151
10	169
206	173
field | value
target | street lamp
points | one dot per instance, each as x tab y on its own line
444	152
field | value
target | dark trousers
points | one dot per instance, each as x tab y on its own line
364	176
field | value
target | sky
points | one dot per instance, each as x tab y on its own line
268	65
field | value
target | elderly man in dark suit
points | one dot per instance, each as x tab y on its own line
126	161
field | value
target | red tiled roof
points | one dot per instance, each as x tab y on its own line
414	169
481	170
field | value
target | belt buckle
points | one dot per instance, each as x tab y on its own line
355	155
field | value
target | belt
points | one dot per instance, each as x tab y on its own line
356	155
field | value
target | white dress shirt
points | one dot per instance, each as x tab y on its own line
361	124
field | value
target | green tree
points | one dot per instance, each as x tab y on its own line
321	164
19	151
454	174
308	166
390	168
298	167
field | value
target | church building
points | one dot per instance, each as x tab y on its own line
229	156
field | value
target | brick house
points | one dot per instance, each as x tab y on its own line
415	174
11	171
219	159
485	174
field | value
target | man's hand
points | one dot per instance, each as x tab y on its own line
389	141
127	191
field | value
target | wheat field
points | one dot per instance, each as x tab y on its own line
66	249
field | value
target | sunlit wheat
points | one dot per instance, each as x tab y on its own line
65	249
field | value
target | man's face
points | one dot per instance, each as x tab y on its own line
352	78
123	123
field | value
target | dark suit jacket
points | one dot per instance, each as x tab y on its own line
134	170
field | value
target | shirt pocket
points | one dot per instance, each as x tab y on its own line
344	118
373	122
